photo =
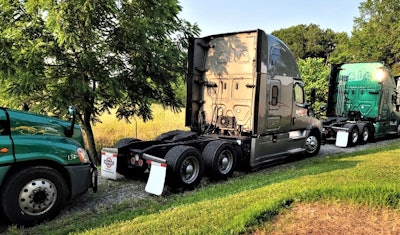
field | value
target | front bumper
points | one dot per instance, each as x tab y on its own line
82	177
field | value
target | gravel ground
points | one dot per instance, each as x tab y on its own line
112	192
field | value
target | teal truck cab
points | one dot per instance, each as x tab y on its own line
362	103
43	164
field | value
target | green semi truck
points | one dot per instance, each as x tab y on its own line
43	164
362	103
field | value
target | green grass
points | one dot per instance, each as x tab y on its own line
239	204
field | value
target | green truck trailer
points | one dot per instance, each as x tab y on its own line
43	164
362	103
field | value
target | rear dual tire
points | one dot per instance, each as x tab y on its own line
184	167
220	159
353	135
358	134
364	135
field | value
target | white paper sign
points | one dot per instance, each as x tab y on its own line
155	183
109	163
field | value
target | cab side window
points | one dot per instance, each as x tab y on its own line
3	127
275	96
275	55
4	124
299	93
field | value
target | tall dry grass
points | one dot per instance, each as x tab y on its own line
110	130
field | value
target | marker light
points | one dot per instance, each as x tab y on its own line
379	74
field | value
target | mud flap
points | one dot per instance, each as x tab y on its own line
342	137
155	183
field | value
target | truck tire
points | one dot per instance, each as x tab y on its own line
364	134
219	159
184	167
313	144
353	134
33	194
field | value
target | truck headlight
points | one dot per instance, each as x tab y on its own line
83	155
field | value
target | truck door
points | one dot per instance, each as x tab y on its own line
300	118
6	149
385	112
273	132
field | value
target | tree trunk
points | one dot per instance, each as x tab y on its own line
89	138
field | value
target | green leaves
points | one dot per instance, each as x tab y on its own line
96	55
375	34
315	72
308	40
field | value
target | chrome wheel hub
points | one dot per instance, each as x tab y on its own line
37	197
225	162
311	144
190	169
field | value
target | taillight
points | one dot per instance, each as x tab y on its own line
135	159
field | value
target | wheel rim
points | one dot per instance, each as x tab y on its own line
190	169
37	197
354	136
365	134
311	144
225	161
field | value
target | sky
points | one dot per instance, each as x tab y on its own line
223	16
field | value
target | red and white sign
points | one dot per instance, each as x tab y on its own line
109	163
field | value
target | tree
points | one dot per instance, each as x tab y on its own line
341	52
96	55
376	33
308	40
315	73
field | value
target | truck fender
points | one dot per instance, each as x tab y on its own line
177	135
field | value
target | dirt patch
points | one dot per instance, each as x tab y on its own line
333	218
